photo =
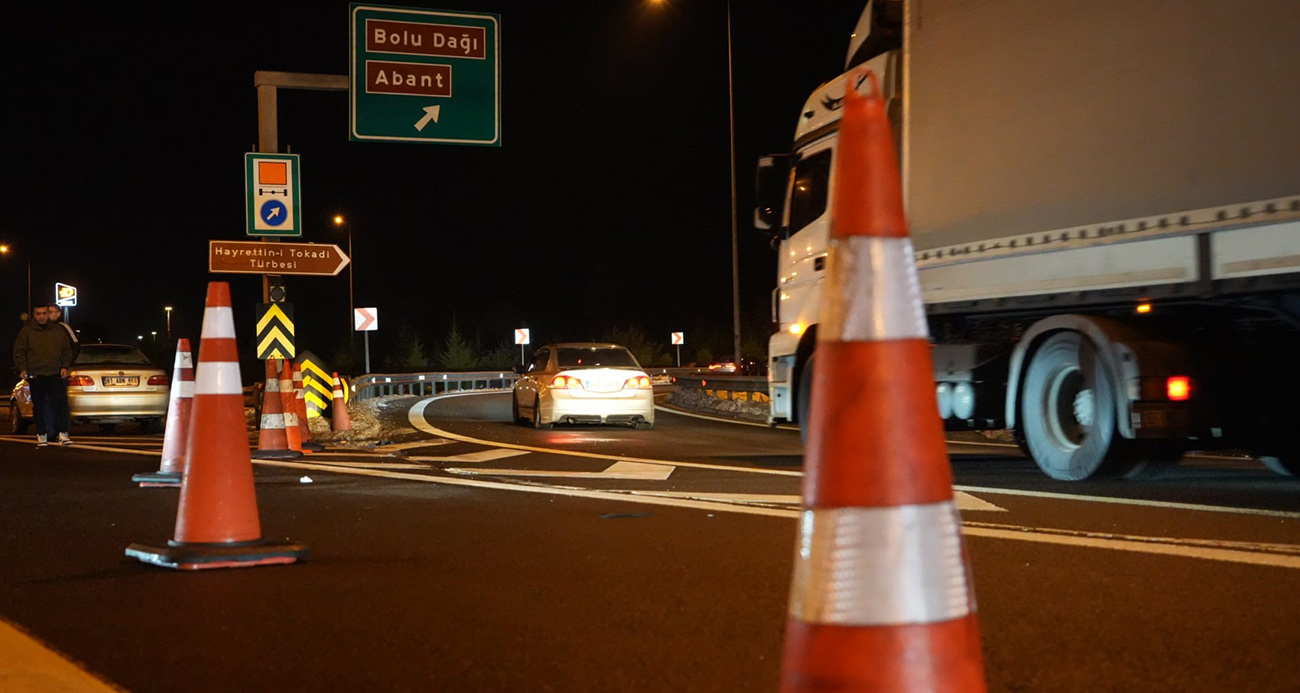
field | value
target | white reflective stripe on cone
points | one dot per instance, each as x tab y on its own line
185	389
290	420
184	359
872	292
273	421
218	378
219	322
880	566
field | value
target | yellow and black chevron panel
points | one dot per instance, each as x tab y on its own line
275	331
317	384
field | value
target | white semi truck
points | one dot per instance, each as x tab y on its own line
1104	200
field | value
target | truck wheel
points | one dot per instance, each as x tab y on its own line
1068	412
804	396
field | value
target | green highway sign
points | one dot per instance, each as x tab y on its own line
272	195
424	76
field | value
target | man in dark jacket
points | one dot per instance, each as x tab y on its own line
43	355
65	416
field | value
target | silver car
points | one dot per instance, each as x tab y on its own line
108	384
583	383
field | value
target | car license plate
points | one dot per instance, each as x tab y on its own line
121	381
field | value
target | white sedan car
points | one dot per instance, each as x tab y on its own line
583	383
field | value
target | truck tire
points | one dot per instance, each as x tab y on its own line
804	396
1068	412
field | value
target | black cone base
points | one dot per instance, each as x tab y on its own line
158	479
179	556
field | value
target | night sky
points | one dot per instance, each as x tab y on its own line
606	206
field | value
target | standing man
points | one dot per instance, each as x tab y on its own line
43	355
65	415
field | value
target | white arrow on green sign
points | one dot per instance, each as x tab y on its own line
424	76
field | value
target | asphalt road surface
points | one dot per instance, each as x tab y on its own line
477	555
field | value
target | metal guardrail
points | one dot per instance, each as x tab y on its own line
744	388
373	385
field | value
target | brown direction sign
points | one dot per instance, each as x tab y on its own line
255	257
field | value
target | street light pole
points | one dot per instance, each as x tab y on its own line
735	239
168	309
352	303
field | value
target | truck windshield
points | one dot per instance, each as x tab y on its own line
808	199
615	357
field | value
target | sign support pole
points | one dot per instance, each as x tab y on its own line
679	356
367	336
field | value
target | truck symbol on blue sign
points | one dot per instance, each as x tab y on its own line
273	212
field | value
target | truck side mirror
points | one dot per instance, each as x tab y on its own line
771	181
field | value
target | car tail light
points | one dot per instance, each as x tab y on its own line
81	381
640	382
157	380
566	382
1179	388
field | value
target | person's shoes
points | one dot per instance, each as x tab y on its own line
64	439
40	440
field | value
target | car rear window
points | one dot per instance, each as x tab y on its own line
91	355
571	357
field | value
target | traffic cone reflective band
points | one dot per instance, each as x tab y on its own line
217	524
289	405
300	408
342	421
272	440
881	598
179	403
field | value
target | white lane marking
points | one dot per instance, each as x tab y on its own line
476	456
1129	501
547	490
375	465
397	447
965	501
1284	555
1277	555
416	417
693	415
618	470
28	665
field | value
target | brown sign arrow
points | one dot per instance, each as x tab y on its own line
254	257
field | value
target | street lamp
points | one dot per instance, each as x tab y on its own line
735	238
155	336
168	310
352	304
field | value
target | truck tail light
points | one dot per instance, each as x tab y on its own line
81	381
1178	388
566	382
640	382
157	380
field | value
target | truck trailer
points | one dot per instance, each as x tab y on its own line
1104	203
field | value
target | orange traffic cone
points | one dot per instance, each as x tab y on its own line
217	524
289	405
342	421
300	404
272	440
180	398
881	596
